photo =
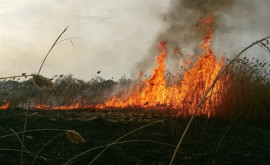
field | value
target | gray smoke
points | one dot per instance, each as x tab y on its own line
181	27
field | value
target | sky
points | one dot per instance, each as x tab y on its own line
114	35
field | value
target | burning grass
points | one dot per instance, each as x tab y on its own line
5	105
244	92
241	90
210	88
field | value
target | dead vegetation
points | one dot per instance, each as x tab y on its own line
246	97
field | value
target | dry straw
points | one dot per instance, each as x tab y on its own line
30	97
74	137
206	93
41	82
113	143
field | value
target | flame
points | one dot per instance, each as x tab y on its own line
5	105
141	74
78	105
184	96
156	93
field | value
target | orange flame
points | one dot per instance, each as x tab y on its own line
141	74
184	96
79	105
5	106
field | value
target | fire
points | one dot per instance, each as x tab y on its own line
5	106
183	96
156	92
151	94
78	105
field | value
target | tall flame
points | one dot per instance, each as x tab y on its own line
157	93
184	96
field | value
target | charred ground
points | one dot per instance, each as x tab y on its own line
208	141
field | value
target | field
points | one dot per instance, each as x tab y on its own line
143	120
209	141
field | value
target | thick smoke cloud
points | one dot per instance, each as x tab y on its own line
121	37
181	27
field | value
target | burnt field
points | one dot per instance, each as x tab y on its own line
206	111
209	141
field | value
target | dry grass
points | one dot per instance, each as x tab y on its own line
41	82
219	76
30	97
74	137
247	95
248	91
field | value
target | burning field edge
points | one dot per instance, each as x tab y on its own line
231	125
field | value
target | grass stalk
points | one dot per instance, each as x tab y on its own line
121	142
31	94
42	148
206	93
147	125
34	130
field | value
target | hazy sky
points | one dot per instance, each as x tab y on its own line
116	34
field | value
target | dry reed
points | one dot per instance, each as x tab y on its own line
206	93
74	137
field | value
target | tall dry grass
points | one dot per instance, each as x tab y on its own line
41	82
248	90
246	96
219	77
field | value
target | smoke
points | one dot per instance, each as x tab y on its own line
181	27
118	34
181	20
